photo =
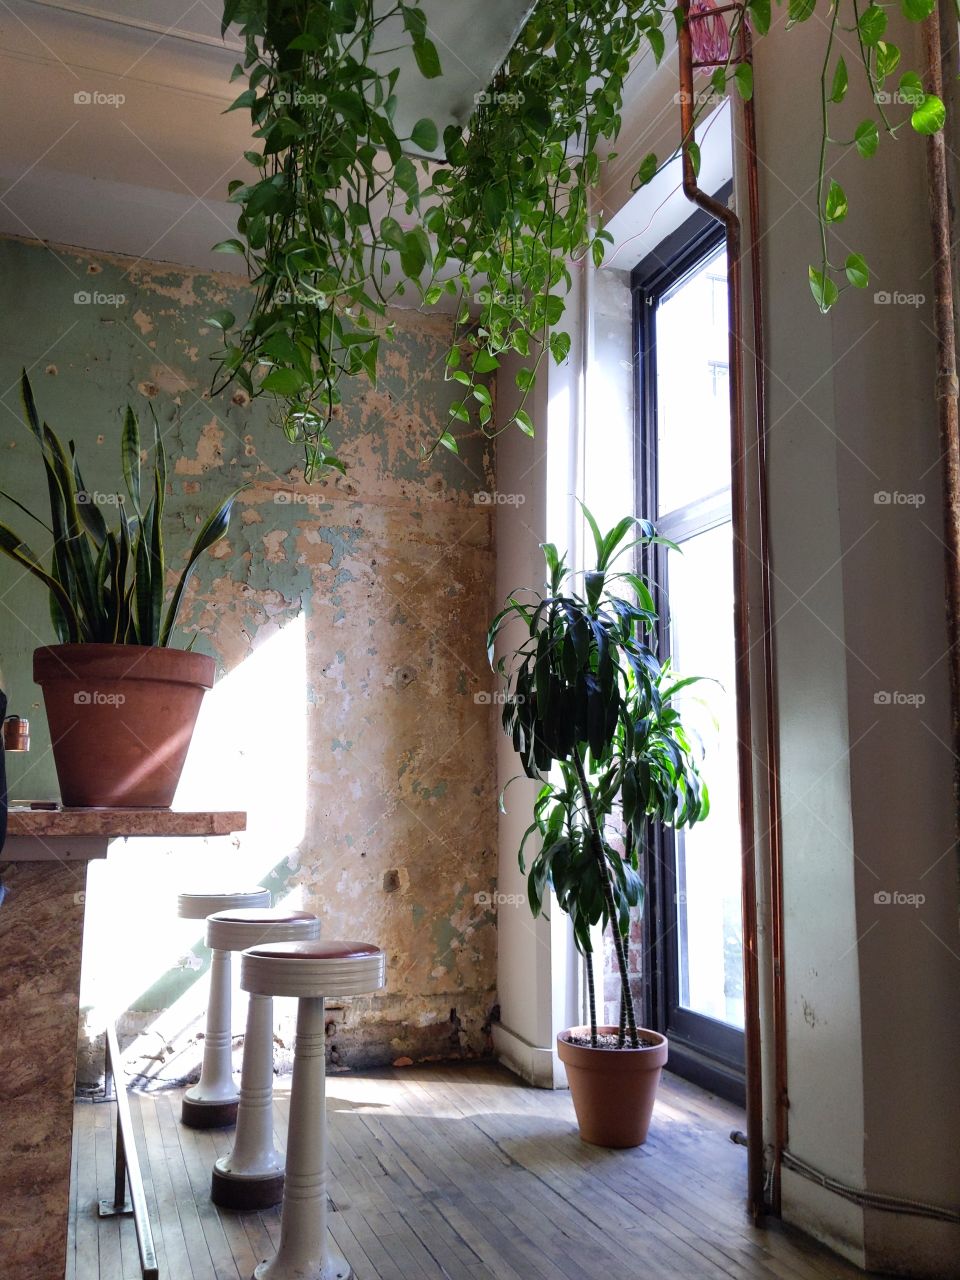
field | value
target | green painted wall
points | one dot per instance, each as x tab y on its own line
370	791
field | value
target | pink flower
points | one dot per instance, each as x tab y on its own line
709	36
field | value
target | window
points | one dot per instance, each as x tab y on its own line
693	929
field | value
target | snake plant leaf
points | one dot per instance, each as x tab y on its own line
122	597
62	563
58	520
102	571
214	528
142	587
26	510
158	566
90	512
130	456
19	552
107	627
76	545
59	619
29	406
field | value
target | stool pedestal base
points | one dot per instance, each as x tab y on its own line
333	1267
232	1192
251	1175
212	1102
306	1251
208	1115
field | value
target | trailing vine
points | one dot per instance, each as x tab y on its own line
879	60
492	215
345	215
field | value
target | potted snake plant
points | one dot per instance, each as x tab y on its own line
592	714
121	701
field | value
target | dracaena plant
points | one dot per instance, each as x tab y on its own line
106	585
593	717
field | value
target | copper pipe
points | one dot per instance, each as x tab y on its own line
741	624
947	388
772	752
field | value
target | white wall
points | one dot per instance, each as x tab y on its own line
537	970
873	1032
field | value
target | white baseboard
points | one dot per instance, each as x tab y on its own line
538	1065
891	1243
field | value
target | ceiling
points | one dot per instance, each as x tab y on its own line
121	143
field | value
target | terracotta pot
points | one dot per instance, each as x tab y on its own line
613	1090
121	718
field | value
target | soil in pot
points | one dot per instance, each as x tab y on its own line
613	1089
606	1041
121	719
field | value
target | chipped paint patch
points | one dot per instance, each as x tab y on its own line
209	452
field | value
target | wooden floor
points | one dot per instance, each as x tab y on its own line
458	1172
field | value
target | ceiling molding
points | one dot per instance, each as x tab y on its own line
172	32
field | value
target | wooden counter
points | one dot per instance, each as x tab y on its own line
39	835
44	869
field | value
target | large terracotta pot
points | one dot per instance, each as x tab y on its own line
3	779
121	718
613	1090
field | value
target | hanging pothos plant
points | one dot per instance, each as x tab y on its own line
346	215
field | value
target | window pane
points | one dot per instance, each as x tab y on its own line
709	930
693	407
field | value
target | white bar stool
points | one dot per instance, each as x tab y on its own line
251	1175
212	1102
309	971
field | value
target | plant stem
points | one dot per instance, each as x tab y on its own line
628	857
822	158
596	843
592	999
623	1004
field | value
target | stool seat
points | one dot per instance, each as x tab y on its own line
314	968
197	906
249	926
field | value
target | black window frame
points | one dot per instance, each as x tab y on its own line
704	1050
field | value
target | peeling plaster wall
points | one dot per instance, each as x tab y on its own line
348	622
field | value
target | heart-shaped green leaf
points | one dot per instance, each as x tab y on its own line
425	135
929	115
824	291
858	273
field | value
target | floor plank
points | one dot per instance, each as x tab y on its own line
452	1173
